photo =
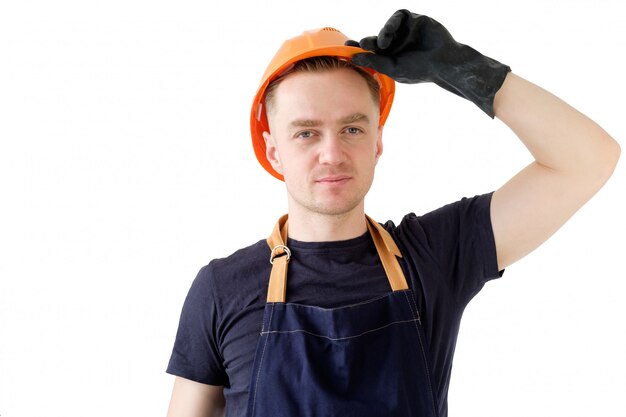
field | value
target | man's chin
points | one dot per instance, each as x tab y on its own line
336	208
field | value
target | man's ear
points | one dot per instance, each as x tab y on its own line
271	152
379	143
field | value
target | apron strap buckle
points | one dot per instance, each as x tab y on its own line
278	251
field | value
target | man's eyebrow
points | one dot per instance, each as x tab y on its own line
305	123
356	117
353	118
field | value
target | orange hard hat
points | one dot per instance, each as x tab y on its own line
320	42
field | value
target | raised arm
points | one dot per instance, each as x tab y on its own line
573	156
193	399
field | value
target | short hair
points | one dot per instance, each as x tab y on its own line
320	64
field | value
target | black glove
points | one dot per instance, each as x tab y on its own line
413	48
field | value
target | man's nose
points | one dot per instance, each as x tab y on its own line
331	150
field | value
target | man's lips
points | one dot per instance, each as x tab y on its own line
333	179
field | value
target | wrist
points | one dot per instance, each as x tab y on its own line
473	76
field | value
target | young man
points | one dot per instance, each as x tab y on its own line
335	314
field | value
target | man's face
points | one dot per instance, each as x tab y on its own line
325	140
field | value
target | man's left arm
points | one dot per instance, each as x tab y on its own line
573	156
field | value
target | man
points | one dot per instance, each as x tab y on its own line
336	314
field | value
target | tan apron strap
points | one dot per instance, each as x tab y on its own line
385	246
388	251
279	258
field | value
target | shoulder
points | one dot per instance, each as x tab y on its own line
447	220
459	228
241	260
456	239
240	263
245	270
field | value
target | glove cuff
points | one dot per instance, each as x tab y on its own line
476	77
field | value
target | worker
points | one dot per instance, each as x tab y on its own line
335	314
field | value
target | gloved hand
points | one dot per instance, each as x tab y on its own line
413	48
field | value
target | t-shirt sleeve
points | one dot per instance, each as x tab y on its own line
196	355
458	239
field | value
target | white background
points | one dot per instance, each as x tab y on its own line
126	165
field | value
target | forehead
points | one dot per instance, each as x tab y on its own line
324	93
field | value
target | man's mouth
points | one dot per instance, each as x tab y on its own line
333	179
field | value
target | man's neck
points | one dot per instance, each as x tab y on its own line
317	227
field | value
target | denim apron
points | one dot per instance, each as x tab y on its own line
364	359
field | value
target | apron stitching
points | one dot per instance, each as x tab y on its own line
339	338
413	310
258	375
370	301
263	324
419	337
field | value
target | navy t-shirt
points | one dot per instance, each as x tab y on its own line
448	255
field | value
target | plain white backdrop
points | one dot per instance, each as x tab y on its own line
126	165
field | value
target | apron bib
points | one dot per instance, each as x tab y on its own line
364	359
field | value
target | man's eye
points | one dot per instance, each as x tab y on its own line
305	134
353	130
